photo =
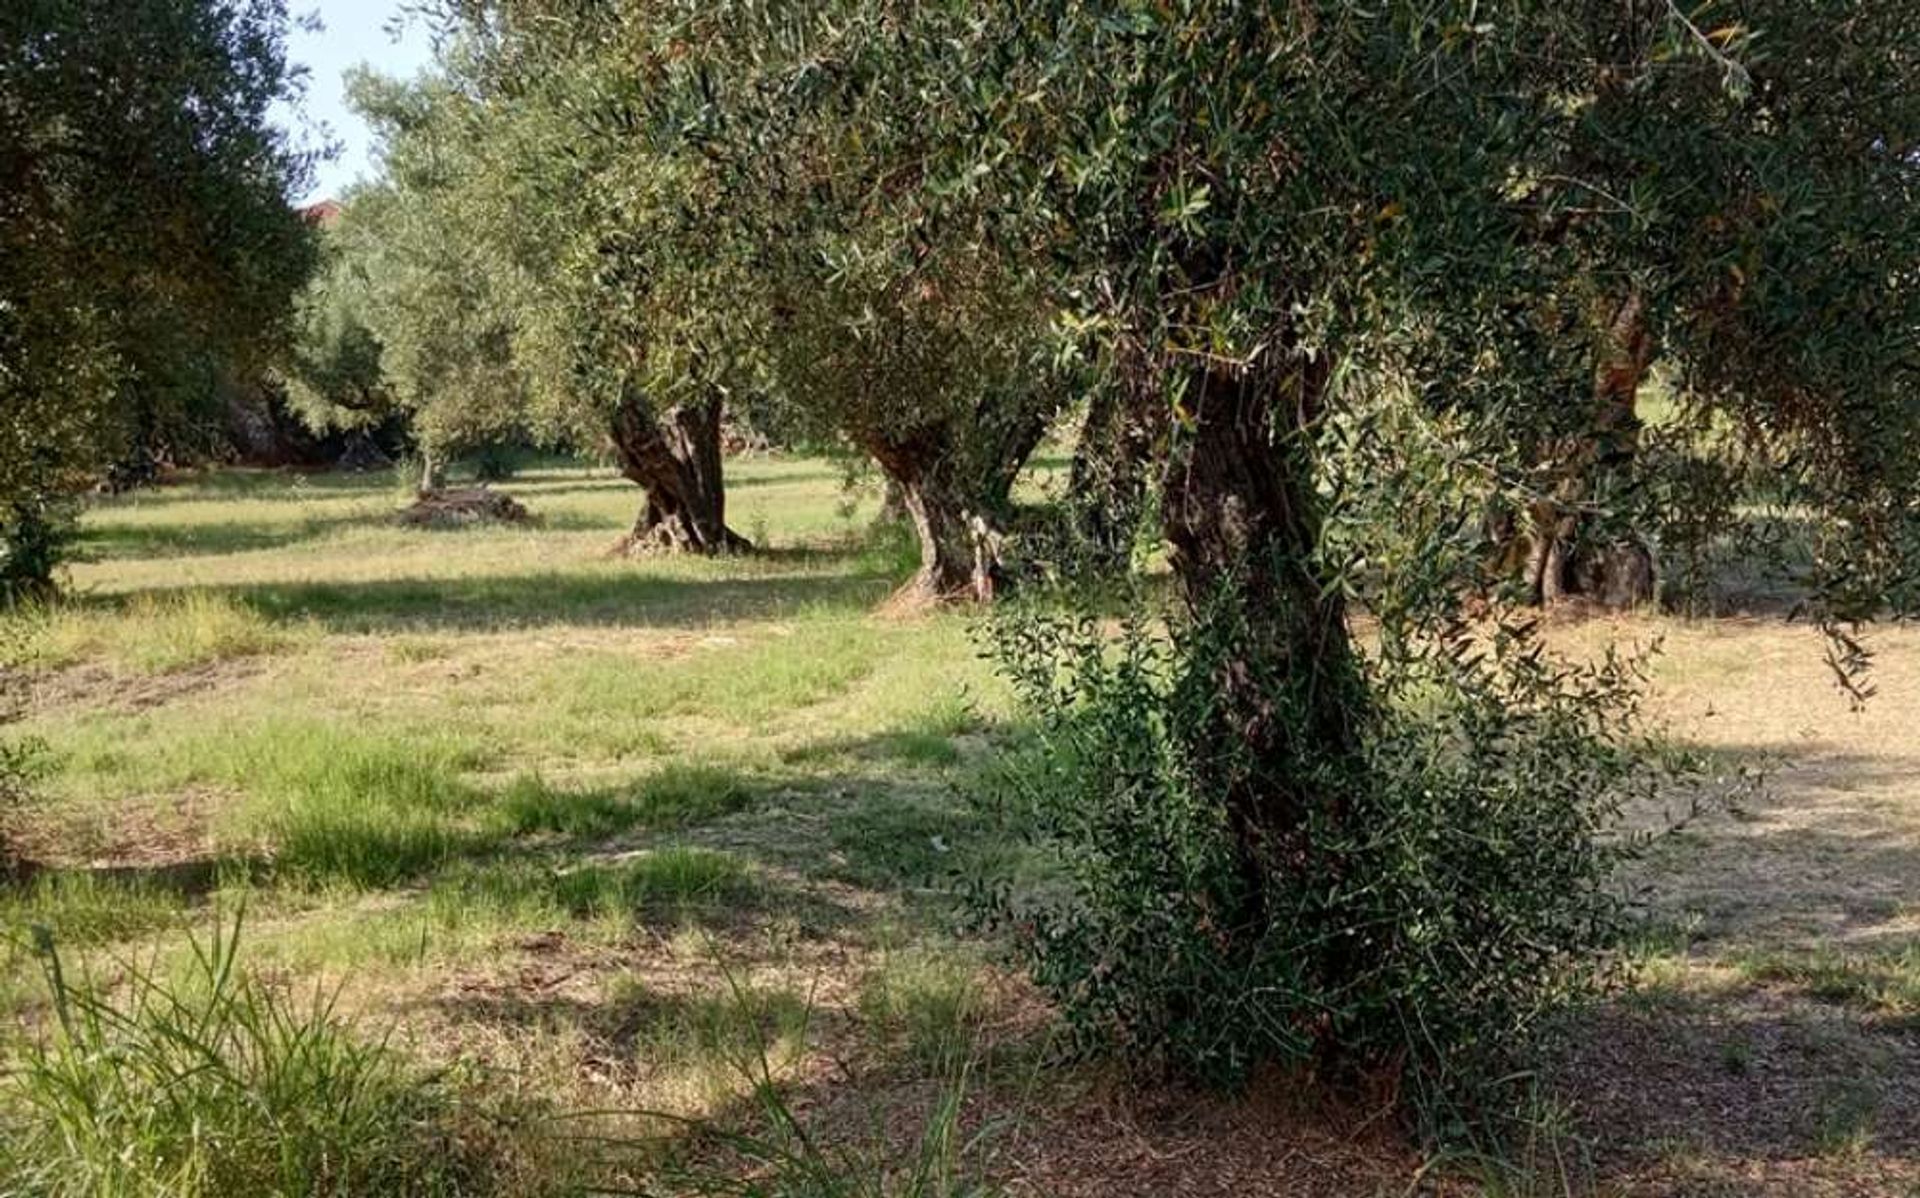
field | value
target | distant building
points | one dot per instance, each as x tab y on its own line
325	213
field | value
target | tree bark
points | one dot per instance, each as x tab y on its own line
1241	514
956	486
954	518
429	472
893	503
676	457
1561	562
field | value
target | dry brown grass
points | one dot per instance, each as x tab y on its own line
1773	1046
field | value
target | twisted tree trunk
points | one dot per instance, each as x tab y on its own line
959	541
675	455
1241	514
956	485
1565	559
1112	459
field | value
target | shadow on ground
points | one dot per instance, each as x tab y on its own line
604	600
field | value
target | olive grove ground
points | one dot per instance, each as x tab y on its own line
557	813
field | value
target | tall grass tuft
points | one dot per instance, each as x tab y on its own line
782	1154
216	1084
367	809
789	1160
152	634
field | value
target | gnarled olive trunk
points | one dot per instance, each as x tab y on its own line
1565	557
1241	514
959	541
956	485
675	455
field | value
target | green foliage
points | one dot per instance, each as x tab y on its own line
218	1083
333	376
409	315
36	534
148	250
1449	885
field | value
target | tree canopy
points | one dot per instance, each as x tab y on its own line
147	243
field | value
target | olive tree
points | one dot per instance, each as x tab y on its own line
1378	256
334	373
591	245
147	246
1732	203
712	237
1355	267
1350	276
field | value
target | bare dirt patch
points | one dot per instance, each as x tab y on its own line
163	838
100	688
1119	1139
1754	1084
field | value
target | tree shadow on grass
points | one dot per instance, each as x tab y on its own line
596	600
1779	1051
130	542
1728	1084
153	541
1818	859
255	485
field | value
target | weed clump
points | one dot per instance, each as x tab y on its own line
217	1083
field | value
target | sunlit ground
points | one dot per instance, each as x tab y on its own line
554	813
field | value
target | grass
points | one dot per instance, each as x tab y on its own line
932	1002
1886	982
154	634
220	1084
77	907
670	880
519	806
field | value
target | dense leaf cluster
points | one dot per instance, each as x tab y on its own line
148	249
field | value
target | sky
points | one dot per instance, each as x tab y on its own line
353	32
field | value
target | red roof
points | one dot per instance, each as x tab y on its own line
324	213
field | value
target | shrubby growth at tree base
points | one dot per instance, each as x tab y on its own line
148	252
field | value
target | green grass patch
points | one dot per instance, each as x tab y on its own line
217	1084
932	1002
364	808
674	796
77	907
672	880
902	837
1886	981
152	634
